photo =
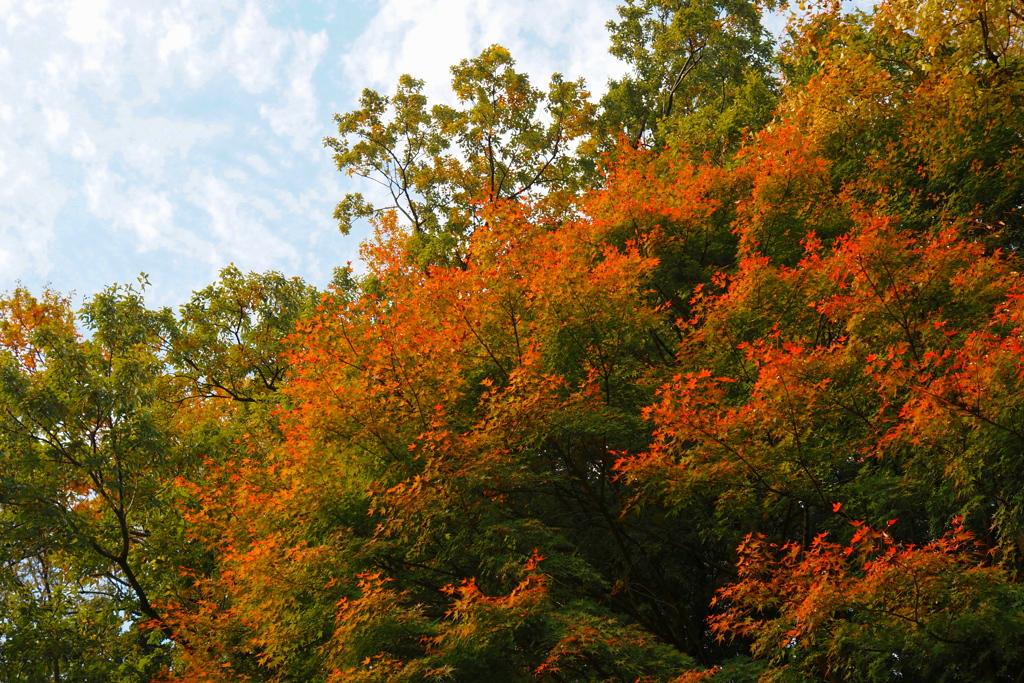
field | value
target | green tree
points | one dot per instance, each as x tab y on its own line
227	340
441	165
99	426
85	469
701	74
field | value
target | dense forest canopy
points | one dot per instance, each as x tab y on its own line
718	378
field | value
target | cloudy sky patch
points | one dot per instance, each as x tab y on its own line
178	136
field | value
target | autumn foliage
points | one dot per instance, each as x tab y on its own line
747	412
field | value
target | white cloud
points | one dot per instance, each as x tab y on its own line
187	131
253	49
236	231
426	37
259	163
151	215
177	39
148	145
146	213
86	21
297	117
31	202
57	125
101	126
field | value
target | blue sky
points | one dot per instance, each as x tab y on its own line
178	136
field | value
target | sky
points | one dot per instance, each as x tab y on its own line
174	137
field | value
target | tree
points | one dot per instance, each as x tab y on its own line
774	345
919	109
228	339
98	432
439	436
85	467
874	610
701	74
745	415
511	141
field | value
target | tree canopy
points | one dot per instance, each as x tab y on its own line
720	378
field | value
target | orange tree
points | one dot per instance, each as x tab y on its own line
750	414
861	362
445	503
537	460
